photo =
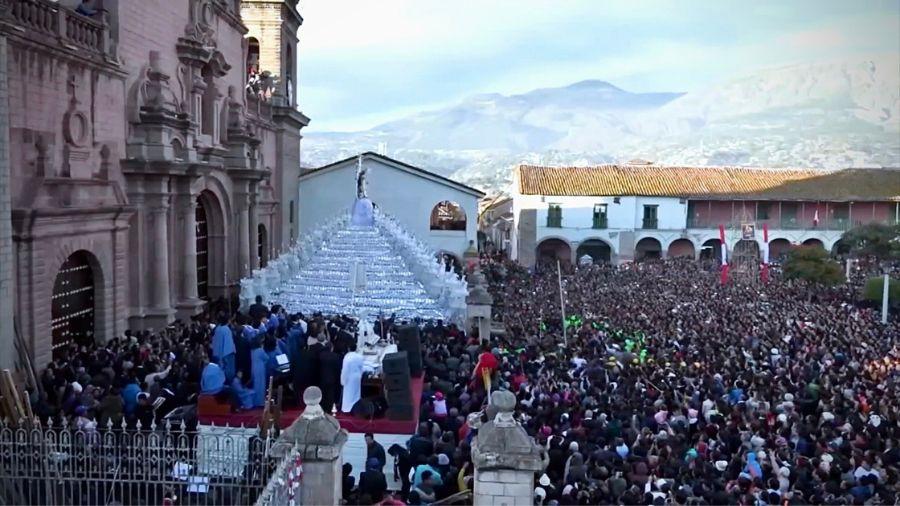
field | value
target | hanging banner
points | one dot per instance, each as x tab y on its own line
748	231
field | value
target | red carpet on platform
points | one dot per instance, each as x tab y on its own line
219	415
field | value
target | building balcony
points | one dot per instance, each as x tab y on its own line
833	224
600	222
650	224
54	25
554	221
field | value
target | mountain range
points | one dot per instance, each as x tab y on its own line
821	115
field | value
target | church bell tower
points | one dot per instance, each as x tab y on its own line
272	42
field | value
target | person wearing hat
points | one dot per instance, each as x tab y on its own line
372	481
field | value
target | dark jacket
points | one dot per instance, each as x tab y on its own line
373	483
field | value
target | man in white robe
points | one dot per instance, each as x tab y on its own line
351	379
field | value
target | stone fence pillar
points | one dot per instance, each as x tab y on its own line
505	457
319	441
479	306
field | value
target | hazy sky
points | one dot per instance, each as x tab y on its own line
363	62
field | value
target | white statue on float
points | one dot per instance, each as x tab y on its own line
363	214
365	332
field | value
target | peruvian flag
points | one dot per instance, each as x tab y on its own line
764	269
816	218
724	254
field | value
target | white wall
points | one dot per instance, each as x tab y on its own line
578	215
627	215
407	196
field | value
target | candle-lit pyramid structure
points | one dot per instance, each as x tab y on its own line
357	271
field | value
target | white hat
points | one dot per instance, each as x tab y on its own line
544	480
567	490
782	418
827	458
443	460
540	492
761	454
721	465
789	397
573	446
827	416
76	387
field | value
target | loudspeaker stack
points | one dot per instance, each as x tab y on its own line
397	388
408	341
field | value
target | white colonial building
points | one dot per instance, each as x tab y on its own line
440	211
633	211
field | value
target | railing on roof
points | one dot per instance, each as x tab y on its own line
53	24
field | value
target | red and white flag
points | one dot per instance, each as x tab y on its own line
816	219
724	254
764	269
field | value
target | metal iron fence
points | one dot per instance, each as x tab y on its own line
65	465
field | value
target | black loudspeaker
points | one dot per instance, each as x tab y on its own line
397	388
408	341
395	364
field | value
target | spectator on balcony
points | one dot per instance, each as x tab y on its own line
89	8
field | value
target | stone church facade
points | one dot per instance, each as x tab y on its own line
145	176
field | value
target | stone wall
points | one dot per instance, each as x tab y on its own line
7	350
504	487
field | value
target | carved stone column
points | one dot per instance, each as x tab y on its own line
319	441
244	235
254	229
478	305
189	249
505	457
158	251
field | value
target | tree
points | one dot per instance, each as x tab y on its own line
812	263
874	289
875	239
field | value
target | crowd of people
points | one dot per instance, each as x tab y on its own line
660	386
671	388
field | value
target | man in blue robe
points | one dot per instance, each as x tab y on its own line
223	349
212	380
129	396
258	361
243	395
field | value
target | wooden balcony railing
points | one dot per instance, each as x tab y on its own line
51	23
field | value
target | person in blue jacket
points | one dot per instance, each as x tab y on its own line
212	379
223	349
258	362
129	396
243	395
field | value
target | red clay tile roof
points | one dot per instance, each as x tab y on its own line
710	182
